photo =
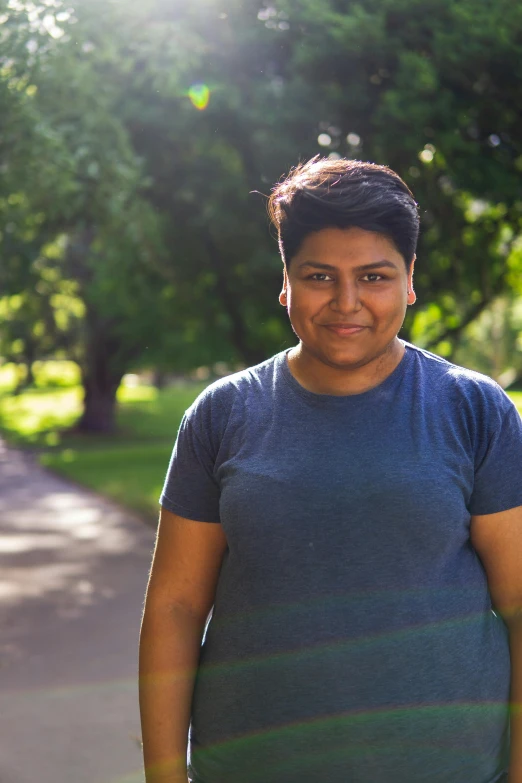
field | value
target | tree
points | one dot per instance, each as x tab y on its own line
27	325
149	164
492	344
83	194
423	97
430	89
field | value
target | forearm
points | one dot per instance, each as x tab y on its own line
515	645
169	652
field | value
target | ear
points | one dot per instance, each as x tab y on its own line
412	297
284	290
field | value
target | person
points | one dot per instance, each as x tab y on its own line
336	589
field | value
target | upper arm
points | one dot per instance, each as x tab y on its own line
497	539
186	564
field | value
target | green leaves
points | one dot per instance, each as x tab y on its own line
137	147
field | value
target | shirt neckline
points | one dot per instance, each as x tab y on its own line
340	400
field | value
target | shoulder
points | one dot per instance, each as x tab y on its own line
453	375
223	393
452	383
225	400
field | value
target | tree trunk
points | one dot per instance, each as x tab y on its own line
103	364
99	412
29	378
101	377
25	377
159	378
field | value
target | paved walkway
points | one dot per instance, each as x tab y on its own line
73	570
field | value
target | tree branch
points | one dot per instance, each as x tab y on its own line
453	333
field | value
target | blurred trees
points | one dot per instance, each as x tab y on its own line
137	140
429	88
493	342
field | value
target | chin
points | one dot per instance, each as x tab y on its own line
344	360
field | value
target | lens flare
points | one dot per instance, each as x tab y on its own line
199	95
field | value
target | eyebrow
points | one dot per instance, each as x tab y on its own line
362	268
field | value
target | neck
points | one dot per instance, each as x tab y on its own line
321	378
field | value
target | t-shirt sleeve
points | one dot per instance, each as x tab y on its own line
190	489
498	465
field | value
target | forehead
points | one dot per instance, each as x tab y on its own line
346	245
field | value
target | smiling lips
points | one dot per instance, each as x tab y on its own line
344	330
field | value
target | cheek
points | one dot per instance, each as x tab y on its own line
391	301
293	310
306	303
393	311
298	311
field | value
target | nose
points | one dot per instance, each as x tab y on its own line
346	297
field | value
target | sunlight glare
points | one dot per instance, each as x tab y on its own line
199	95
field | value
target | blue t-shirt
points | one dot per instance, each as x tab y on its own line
352	638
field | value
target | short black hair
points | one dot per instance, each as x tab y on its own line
342	193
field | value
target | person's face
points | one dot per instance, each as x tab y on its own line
346	293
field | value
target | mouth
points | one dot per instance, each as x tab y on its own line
344	330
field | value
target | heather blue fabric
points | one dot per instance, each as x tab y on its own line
352	638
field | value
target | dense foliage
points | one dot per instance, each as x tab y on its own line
138	142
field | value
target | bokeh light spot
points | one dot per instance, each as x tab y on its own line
427	154
324	139
199	95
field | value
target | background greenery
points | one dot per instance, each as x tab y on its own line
139	140
128	466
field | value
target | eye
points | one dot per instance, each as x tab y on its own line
373	277
319	277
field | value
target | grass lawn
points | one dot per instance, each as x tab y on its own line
129	466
